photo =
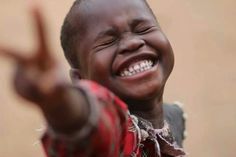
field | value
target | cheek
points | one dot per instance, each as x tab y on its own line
161	44
167	56
100	66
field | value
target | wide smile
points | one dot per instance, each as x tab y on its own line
137	68
137	65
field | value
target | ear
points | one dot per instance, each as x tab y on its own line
75	75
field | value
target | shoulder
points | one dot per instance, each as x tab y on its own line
175	117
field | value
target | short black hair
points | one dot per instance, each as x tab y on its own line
68	37
70	34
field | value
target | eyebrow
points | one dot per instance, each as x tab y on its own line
137	21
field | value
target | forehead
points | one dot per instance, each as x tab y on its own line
96	12
97	7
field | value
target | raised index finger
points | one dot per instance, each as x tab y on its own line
40	32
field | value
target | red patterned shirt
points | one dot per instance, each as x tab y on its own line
111	131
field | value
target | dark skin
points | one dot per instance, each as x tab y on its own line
127	33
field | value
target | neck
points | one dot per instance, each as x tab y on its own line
153	113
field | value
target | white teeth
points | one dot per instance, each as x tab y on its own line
126	72
143	64
131	69
150	63
137	68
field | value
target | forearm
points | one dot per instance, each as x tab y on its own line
65	109
101	134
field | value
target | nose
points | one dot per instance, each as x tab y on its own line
130	43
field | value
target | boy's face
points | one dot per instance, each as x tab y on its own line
124	49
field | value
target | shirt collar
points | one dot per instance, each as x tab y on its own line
162	138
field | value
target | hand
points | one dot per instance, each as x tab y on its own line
36	76
38	79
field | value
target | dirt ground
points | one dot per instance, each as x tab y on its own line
203	36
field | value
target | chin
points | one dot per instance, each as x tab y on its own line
141	95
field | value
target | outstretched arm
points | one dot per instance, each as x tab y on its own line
38	79
86	119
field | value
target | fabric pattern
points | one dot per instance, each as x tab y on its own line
111	131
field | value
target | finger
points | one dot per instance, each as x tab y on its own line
12	54
24	86
40	30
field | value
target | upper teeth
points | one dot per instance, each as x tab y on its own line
137	68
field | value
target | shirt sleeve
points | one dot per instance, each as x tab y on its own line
103	134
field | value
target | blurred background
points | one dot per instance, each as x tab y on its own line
203	36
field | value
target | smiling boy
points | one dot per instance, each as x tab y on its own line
122	47
118	45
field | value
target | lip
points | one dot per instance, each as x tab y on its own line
135	58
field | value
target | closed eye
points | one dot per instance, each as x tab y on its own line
144	29
109	41
105	42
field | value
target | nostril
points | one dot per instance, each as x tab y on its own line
141	44
131	45
136	44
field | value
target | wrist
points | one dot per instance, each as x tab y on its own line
66	110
